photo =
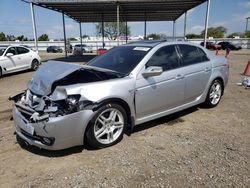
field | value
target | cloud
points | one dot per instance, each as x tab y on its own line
245	4
240	17
195	29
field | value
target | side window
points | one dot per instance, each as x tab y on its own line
12	50
203	55
21	50
166	57
190	54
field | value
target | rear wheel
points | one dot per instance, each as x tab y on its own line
107	127
35	65
214	94
1	73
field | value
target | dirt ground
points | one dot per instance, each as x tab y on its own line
194	148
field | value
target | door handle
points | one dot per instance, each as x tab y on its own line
179	77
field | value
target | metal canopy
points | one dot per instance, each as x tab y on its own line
130	10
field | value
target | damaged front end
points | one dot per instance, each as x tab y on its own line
36	108
47	115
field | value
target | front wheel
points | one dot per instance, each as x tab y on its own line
34	65
214	94
107	127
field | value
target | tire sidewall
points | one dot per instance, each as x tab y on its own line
90	137
208	101
32	64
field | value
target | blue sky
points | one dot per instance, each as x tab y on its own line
15	18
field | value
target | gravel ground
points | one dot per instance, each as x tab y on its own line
194	148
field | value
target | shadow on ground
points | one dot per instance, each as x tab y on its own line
169	120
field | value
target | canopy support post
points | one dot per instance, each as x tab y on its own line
174	29
34	25
206	23
126	32
64	35
185	25
80	26
103	44
145	27
118	23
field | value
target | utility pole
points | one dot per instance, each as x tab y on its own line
247	23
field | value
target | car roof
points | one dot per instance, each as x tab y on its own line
146	43
153	43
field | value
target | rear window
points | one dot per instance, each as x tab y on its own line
21	50
192	55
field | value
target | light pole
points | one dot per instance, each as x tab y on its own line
247	23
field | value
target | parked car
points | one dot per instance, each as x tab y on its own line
17	58
211	46
231	46
101	51
54	49
80	49
126	86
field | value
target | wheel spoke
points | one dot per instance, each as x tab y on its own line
100	132
111	136
118	125
212	95
101	121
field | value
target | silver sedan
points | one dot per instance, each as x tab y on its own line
67	105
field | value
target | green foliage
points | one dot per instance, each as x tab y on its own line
43	37
72	39
153	36
247	34
2	37
22	38
193	36
85	36
11	38
110	29
232	35
215	32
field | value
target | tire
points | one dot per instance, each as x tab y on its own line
102	132
35	64
1	73
214	94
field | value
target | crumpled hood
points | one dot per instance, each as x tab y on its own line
47	74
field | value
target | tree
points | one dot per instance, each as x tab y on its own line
153	36
11	38
247	34
43	37
232	35
72	39
110	29
215	32
2	37
193	36
22	38
85	36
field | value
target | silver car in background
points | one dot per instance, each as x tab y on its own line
66	105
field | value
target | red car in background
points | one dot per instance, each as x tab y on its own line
211	46
101	51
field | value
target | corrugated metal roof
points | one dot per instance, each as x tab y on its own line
130	10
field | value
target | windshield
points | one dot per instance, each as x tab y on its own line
2	49
121	59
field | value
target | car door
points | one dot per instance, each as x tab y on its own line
197	71
24	57
9	63
157	94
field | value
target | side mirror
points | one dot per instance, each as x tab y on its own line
9	54
152	71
